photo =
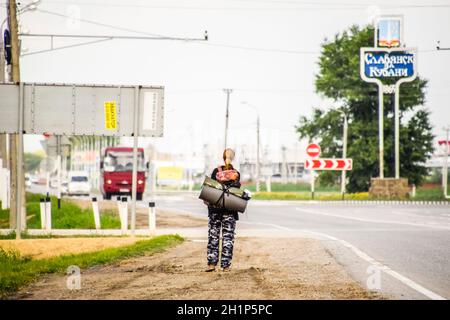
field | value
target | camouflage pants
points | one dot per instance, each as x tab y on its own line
227	223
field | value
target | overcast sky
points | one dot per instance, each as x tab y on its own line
266	50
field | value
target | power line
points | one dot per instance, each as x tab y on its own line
212	44
270	5
165	36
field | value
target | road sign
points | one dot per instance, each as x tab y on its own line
380	63
74	109
328	164
313	150
399	64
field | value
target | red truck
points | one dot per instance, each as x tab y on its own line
116	168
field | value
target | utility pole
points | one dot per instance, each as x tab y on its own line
445	171
284	167
227	92
258	166
344	152
3	136
17	210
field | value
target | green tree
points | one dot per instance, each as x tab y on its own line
338	79
32	161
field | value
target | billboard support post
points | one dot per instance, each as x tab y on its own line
19	189
135	160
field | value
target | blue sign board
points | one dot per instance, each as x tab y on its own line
382	64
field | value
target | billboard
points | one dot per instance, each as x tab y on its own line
75	109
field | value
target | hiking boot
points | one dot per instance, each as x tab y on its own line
210	268
226	269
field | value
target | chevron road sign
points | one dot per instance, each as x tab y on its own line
328	164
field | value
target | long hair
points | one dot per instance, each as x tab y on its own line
228	156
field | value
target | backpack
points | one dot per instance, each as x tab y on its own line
226	175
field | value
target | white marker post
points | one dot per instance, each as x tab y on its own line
48	214
96	213
124	214
151	216
42	212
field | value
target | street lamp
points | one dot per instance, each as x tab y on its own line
344	150
258	169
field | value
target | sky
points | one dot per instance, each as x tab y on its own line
266	51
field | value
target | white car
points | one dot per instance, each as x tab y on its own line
78	184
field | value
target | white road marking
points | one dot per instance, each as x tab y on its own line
433	226
410	283
405	280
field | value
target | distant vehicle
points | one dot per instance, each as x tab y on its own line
78	183
34	179
53	182
27	181
41	181
116	168
64	187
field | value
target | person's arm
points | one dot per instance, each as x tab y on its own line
214	173
237	182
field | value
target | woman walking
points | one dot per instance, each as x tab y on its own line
221	219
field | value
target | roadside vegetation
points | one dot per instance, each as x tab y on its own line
70	216
302	191
17	270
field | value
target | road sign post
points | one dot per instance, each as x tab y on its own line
312	150
313	163
399	64
388	60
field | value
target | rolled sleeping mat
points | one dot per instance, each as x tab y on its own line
226	200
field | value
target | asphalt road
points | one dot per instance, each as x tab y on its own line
411	242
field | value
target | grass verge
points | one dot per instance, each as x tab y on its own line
70	216
17	271
422	194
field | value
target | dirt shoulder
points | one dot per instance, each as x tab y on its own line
47	248
263	268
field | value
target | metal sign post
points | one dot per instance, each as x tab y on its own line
135	161
312	150
383	63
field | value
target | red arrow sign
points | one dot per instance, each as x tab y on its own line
313	150
329	164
